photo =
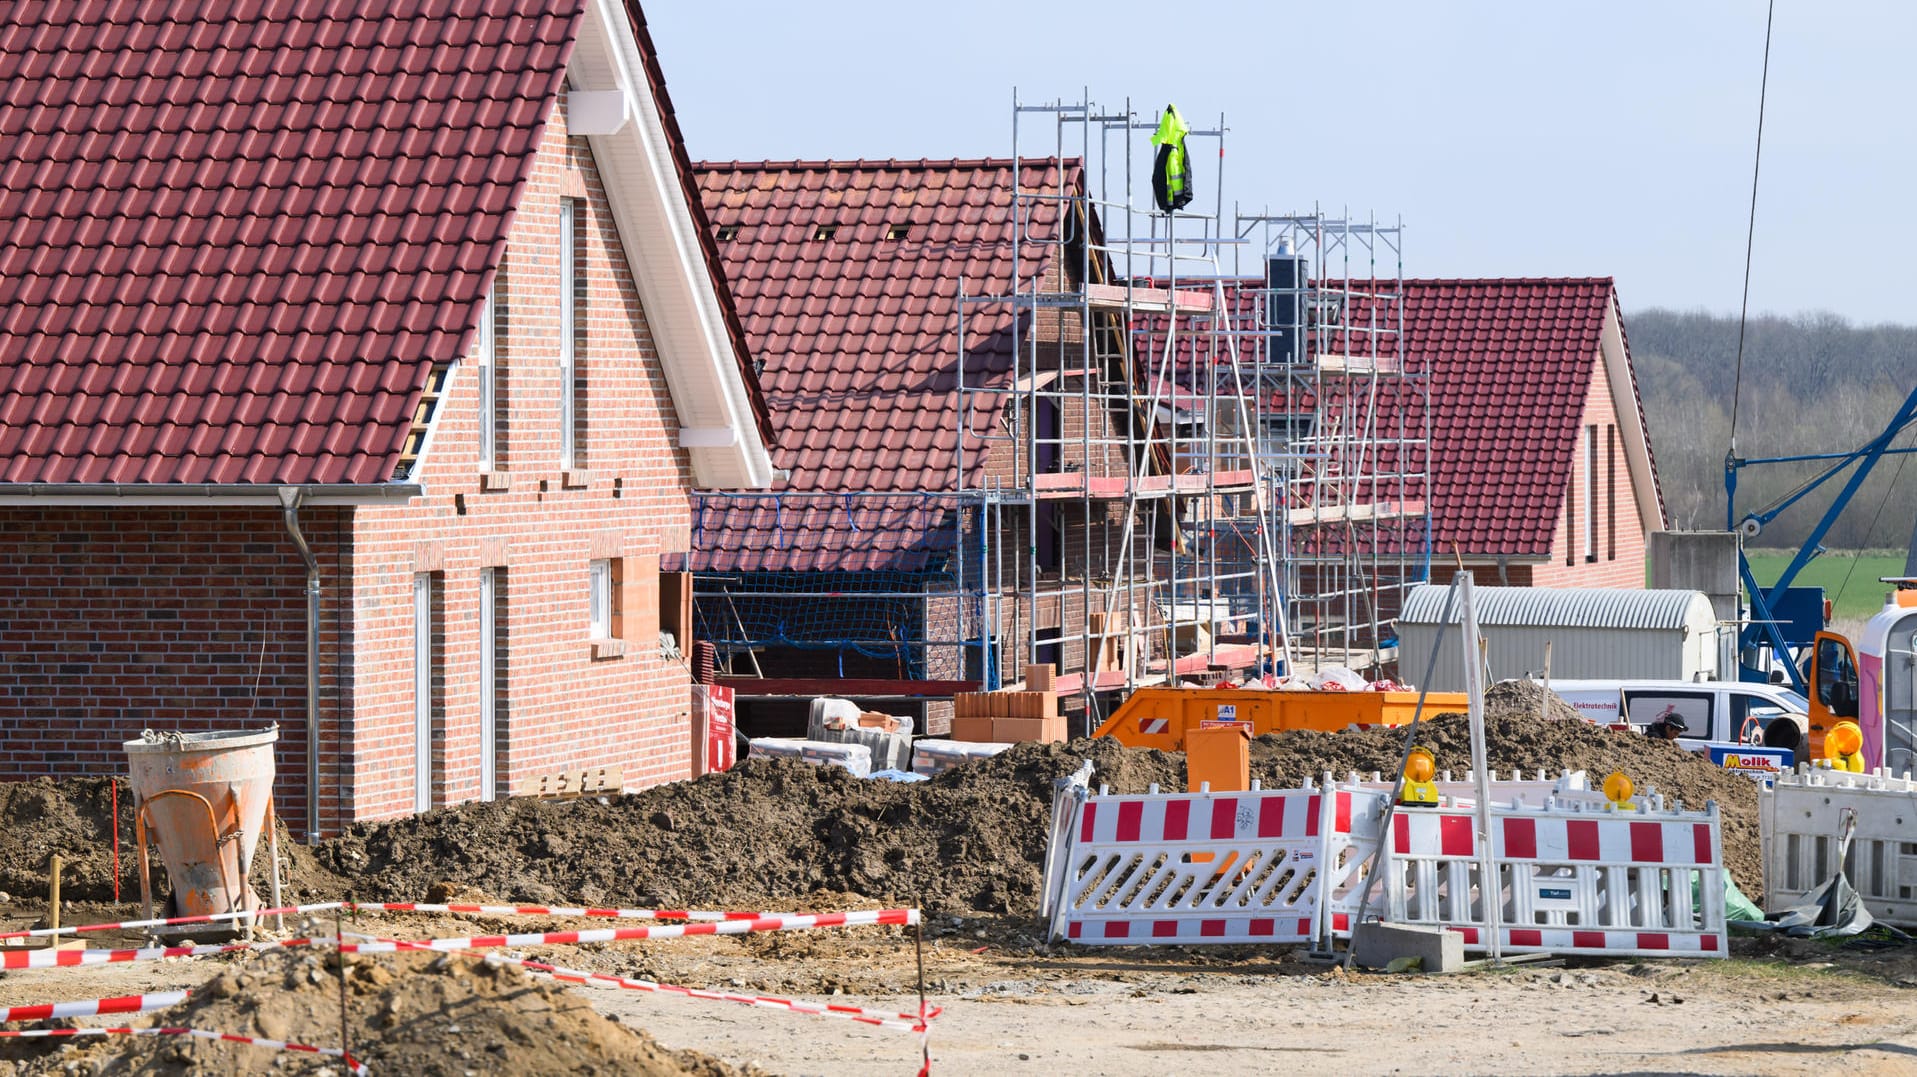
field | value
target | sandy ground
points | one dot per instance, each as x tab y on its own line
1011	1008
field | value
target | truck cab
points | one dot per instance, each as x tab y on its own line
1883	683
1753	728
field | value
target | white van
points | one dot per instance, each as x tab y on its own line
1755	728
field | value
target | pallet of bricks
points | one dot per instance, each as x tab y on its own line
1010	717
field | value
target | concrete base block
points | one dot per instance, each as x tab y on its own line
1379	944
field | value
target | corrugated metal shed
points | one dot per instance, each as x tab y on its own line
1593	632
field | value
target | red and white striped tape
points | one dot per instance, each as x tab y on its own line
664	931
50	959
43	959
97	1007
582	912
208	918
904	1022
357	1067
556	910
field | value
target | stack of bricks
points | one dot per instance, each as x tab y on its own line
1010	717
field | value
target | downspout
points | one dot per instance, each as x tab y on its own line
290	508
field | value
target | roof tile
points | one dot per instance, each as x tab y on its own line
183	185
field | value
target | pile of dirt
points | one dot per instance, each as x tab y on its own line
73	818
767	833
435	1016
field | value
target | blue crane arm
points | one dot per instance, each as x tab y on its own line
1763	623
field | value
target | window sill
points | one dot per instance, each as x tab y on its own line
495	480
608	648
576	479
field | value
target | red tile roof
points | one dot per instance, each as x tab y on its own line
1511	363
234	241
856	329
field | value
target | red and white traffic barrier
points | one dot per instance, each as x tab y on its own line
664	931
1571	879
555	910
1190	868
355	1066
97	1007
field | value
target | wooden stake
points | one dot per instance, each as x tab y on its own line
53	895
918	946
339	937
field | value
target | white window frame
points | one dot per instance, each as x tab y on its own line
1591	493
484	351
568	324
488	684
422	691
599	598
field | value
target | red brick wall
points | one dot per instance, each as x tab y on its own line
1620	533
116	620
566	708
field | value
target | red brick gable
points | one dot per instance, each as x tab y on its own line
233	258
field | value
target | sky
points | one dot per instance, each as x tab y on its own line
1513	139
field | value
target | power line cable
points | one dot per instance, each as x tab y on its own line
1750	234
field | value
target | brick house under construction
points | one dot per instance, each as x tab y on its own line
971	459
354	377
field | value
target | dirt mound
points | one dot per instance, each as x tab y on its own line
413	1014
766	833
971	840
74	818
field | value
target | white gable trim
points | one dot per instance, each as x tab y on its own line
1637	450
663	250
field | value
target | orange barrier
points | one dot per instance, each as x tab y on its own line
1161	717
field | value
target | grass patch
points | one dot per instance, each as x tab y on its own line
1858	600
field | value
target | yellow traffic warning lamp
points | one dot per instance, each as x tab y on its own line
1419	767
1844	747
1618	788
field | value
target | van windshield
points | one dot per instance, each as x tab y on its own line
1798	704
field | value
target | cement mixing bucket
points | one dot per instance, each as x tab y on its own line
203	798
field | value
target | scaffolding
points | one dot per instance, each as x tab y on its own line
1167	467
1122	437
1346	430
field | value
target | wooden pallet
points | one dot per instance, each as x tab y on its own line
575	783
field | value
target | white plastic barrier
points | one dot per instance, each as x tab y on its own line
1196	867
1573	874
1571	879
1068	799
1801	818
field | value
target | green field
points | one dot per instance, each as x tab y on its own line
1863	597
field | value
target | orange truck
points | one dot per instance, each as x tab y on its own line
1160	717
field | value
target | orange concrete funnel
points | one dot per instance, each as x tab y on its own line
203	799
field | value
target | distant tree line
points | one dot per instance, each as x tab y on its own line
1813	383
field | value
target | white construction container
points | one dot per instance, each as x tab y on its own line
1595	633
